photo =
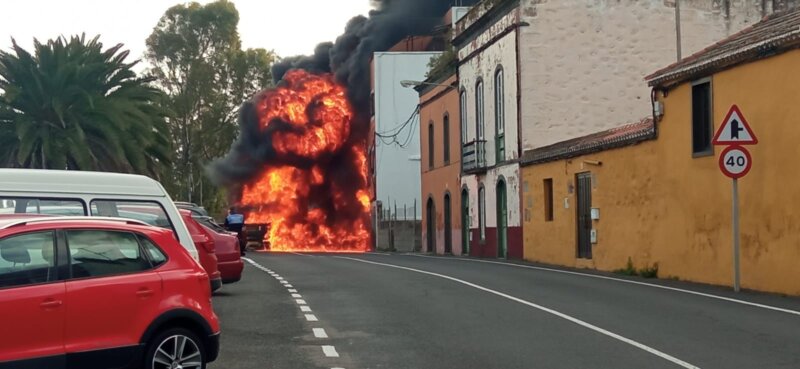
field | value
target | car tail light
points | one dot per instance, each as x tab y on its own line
208	245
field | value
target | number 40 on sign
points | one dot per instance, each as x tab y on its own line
735	161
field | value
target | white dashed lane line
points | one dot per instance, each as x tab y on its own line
328	350
320	333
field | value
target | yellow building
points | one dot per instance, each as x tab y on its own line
654	193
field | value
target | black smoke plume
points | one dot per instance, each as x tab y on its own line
348	58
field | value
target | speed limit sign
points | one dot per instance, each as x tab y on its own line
735	161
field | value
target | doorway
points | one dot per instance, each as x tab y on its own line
448	226
464	222
584	219
502	219
431	225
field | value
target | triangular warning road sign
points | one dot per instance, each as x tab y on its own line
735	130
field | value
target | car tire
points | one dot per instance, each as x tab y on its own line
160	353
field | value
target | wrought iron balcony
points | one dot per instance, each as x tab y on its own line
473	157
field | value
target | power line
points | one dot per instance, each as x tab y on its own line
390	137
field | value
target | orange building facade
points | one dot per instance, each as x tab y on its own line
440	137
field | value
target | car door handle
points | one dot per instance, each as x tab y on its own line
51	304
144	292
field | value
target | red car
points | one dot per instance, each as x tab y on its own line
204	242
229	256
84	293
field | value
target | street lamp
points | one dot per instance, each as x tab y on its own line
407	83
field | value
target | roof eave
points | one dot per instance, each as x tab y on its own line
744	55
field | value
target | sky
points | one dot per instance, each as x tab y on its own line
290	27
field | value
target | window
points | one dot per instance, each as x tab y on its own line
499	116
446	138
482	212
548	199
145	211
50	206
701	118
479	110
95	253
463	114
27	259
430	145
157	256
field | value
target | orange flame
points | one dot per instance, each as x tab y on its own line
309	209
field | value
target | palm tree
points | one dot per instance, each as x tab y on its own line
73	105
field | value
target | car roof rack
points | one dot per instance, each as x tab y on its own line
22	222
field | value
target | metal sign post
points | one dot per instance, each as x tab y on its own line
735	162
736	234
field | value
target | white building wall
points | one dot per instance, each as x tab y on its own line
499	52
397	168
583	61
510	173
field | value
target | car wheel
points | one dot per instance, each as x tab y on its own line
175	348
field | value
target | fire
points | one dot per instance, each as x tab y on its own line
314	197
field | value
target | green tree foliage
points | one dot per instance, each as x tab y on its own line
73	105
196	54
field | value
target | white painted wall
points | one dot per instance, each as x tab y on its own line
510	173
484	65
398	177
583	62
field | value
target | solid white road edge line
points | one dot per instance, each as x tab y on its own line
572	319
320	333
311	318
330	351
723	298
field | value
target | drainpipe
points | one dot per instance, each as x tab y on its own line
521	210
653	93
678	27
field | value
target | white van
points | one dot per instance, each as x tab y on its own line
62	192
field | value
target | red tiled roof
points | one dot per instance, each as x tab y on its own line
774	34
616	137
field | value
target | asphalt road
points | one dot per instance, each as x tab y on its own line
417	312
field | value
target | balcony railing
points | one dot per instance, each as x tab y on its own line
473	157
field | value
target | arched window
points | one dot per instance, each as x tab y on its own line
446	138
479	104
430	145
463	114
499	116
